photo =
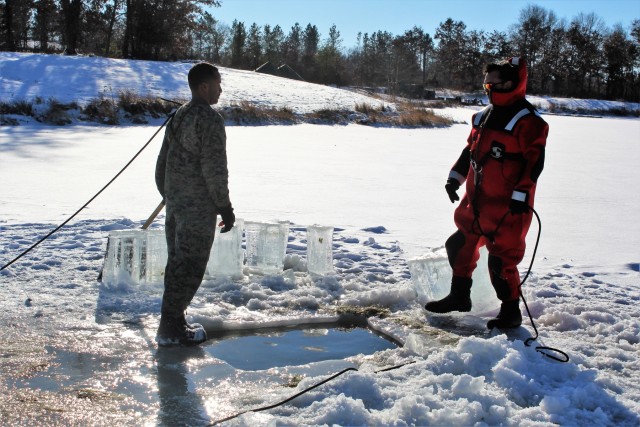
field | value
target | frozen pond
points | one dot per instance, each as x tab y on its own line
345	176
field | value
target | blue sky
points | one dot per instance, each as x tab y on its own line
396	16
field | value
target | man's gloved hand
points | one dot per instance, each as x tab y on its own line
228	218
519	203
451	187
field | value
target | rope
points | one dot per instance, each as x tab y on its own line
90	200
540	349
289	399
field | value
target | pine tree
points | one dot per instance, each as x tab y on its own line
451	41
273	40
329	58
617	48
45	21
254	46
237	47
71	12
292	46
421	44
310	42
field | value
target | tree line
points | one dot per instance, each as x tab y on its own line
581	57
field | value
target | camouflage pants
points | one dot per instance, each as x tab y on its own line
190	235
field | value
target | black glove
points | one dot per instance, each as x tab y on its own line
228	218
519	203
451	187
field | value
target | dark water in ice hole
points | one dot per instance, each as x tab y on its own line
291	347
295	347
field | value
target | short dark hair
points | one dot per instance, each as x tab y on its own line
200	73
508	71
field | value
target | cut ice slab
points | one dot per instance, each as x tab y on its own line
136	256
227	257
320	249
266	244
431	276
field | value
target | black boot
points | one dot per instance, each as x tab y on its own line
192	326
174	331
509	316
459	299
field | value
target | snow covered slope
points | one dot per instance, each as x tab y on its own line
81	79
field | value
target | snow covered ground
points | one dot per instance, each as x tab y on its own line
75	352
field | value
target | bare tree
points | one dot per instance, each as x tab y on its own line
585	39
530	36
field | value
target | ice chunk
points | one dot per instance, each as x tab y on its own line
227	256
156	255
320	249
431	275
266	244
126	257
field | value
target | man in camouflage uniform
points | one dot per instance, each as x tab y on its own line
192	177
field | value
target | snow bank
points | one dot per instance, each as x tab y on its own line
81	79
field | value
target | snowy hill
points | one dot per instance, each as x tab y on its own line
81	79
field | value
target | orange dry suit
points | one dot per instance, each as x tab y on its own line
501	163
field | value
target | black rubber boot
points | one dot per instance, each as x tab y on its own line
459	298
173	331
509	316
192	326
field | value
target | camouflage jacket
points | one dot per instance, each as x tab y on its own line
192	165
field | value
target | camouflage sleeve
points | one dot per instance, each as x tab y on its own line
161	163
214	159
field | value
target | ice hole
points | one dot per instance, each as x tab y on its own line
295	345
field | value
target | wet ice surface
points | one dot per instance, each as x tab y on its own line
95	341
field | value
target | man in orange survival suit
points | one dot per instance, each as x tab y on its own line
501	163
